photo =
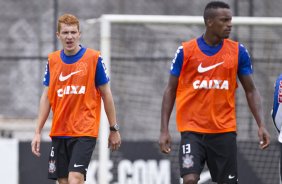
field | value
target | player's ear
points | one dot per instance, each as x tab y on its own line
58	35
209	22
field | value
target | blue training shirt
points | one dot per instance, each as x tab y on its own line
277	100
244	66
101	76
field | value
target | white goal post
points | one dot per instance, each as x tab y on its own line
106	21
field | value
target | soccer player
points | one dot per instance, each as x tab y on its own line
75	82
203	81
277	114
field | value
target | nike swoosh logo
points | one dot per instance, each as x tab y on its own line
63	78
205	69
230	177
75	165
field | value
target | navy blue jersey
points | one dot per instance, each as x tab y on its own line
101	72
244	65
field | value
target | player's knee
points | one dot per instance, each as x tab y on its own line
191	179
76	178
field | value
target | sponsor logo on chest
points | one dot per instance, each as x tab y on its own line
71	90
211	84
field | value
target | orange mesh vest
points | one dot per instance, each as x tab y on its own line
75	101
205	99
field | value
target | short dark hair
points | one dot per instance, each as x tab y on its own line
214	5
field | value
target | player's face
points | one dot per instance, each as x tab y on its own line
69	36
221	24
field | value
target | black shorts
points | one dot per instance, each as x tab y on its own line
70	154
219	151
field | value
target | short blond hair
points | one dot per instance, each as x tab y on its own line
67	19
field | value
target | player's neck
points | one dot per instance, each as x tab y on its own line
212	40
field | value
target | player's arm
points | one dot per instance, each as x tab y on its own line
255	105
44	110
167	106
169	99
102	83
114	137
252	94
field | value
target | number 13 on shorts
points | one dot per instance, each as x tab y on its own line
186	149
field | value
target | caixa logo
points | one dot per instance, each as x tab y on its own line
211	84
71	90
133	172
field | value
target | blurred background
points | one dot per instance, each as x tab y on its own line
140	63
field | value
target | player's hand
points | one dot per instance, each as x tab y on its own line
165	142
114	140
264	137
35	144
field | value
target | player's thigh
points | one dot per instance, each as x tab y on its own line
81	154
58	161
63	181
222	157
191	154
76	177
